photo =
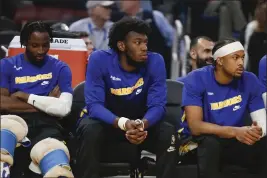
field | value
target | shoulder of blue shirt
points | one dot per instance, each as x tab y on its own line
263	61
199	74
13	59
9	60
195	74
102	56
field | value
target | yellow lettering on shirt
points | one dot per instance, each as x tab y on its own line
32	79
226	103
127	90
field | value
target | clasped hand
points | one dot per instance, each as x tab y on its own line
135	132
249	135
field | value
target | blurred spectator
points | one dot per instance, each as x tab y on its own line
248	8
62	29
161	38
98	24
88	42
256	37
231	17
200	52
196	24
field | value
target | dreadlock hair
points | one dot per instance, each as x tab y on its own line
36	26
120	29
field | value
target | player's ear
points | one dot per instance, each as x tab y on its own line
219	61
121	46
193	54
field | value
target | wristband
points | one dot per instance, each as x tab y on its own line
121	123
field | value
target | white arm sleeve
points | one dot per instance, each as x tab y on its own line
264	95
59	107
260	117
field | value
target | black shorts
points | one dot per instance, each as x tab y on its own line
40	126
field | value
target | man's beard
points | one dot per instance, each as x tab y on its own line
134	63
235	77
32	59
203	62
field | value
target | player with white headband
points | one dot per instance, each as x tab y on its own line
215	101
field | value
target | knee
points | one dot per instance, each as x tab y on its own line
90	130
13	133
167	129
262	144
46	157
209	145
167	135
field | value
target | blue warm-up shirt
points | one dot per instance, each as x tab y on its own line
181	79
17	74
262	73
223	105
112	92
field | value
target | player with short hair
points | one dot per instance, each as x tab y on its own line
125	94
215	100
200	52
36	87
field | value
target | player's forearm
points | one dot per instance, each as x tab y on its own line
59	107
14	105
153	115
201	127
98	111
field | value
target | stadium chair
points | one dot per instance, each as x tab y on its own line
174	100
109	168
173	113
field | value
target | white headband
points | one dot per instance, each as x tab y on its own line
228	49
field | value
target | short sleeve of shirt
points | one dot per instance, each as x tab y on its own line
192	91
255	99
5	71
65	80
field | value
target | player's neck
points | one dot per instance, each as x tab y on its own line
222	78
194	65
26	57
125	65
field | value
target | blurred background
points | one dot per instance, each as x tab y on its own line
174	22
